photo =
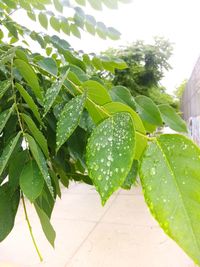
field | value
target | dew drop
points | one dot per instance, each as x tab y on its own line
153	171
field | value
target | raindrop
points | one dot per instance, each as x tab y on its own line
153	171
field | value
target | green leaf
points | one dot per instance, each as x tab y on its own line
28	99
141	141
75	31
172	119
110	153
29	75
49	65
15	168
101	30
95	4
1	34
4	116
56	182
150	128
31	180
8	208
11	28
170	176
40	159
69	119
97	114
46	225
53	92
37	134
97	63
58	5
43	20
10	3
113	34
122	94
31	15
24	5
96	92
148	110
81	2
4	85
111	3
90	24
21	54
7	152
7	56
131	177
55	23
64	25
46	201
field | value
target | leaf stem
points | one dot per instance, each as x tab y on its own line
146	136
30	229
14	96
81	91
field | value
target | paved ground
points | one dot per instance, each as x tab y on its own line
122	234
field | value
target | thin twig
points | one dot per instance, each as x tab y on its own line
30	229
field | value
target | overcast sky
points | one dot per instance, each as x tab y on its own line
177	20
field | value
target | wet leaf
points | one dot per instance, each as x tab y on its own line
40	159
49	65
7	152
4	117
4	85
110	153
69	119
141	141
170	176
37	134
53	92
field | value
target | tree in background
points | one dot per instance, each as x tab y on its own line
179	92
147	64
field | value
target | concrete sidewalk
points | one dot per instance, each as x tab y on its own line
121	234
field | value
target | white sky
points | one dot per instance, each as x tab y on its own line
177	20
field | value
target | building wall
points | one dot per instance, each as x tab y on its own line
190	104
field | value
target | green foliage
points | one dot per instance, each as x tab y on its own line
110	152
146	65
31	175
171	189
59	122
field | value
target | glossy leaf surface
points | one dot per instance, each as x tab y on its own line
110	152
170	176
31	180
69	119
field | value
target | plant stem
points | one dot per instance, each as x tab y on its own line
146	136
14	95
30	229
